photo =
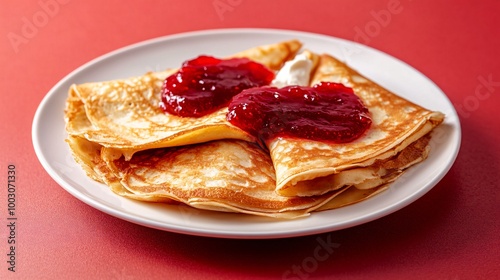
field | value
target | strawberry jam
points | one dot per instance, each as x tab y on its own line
205	84
328	112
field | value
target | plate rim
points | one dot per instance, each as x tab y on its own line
51	94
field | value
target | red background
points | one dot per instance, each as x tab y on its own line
451	233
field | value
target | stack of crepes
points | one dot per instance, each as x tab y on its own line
120	136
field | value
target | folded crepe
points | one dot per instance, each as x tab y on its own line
124	115
304	167
225	175
143	154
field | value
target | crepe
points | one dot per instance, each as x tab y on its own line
124	115
306	168
226	175
121	138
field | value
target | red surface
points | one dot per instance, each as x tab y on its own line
451	233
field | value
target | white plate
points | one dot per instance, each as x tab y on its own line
153	55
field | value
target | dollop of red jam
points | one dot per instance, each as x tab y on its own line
328	112
205	84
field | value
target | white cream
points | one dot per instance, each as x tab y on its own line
294	72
